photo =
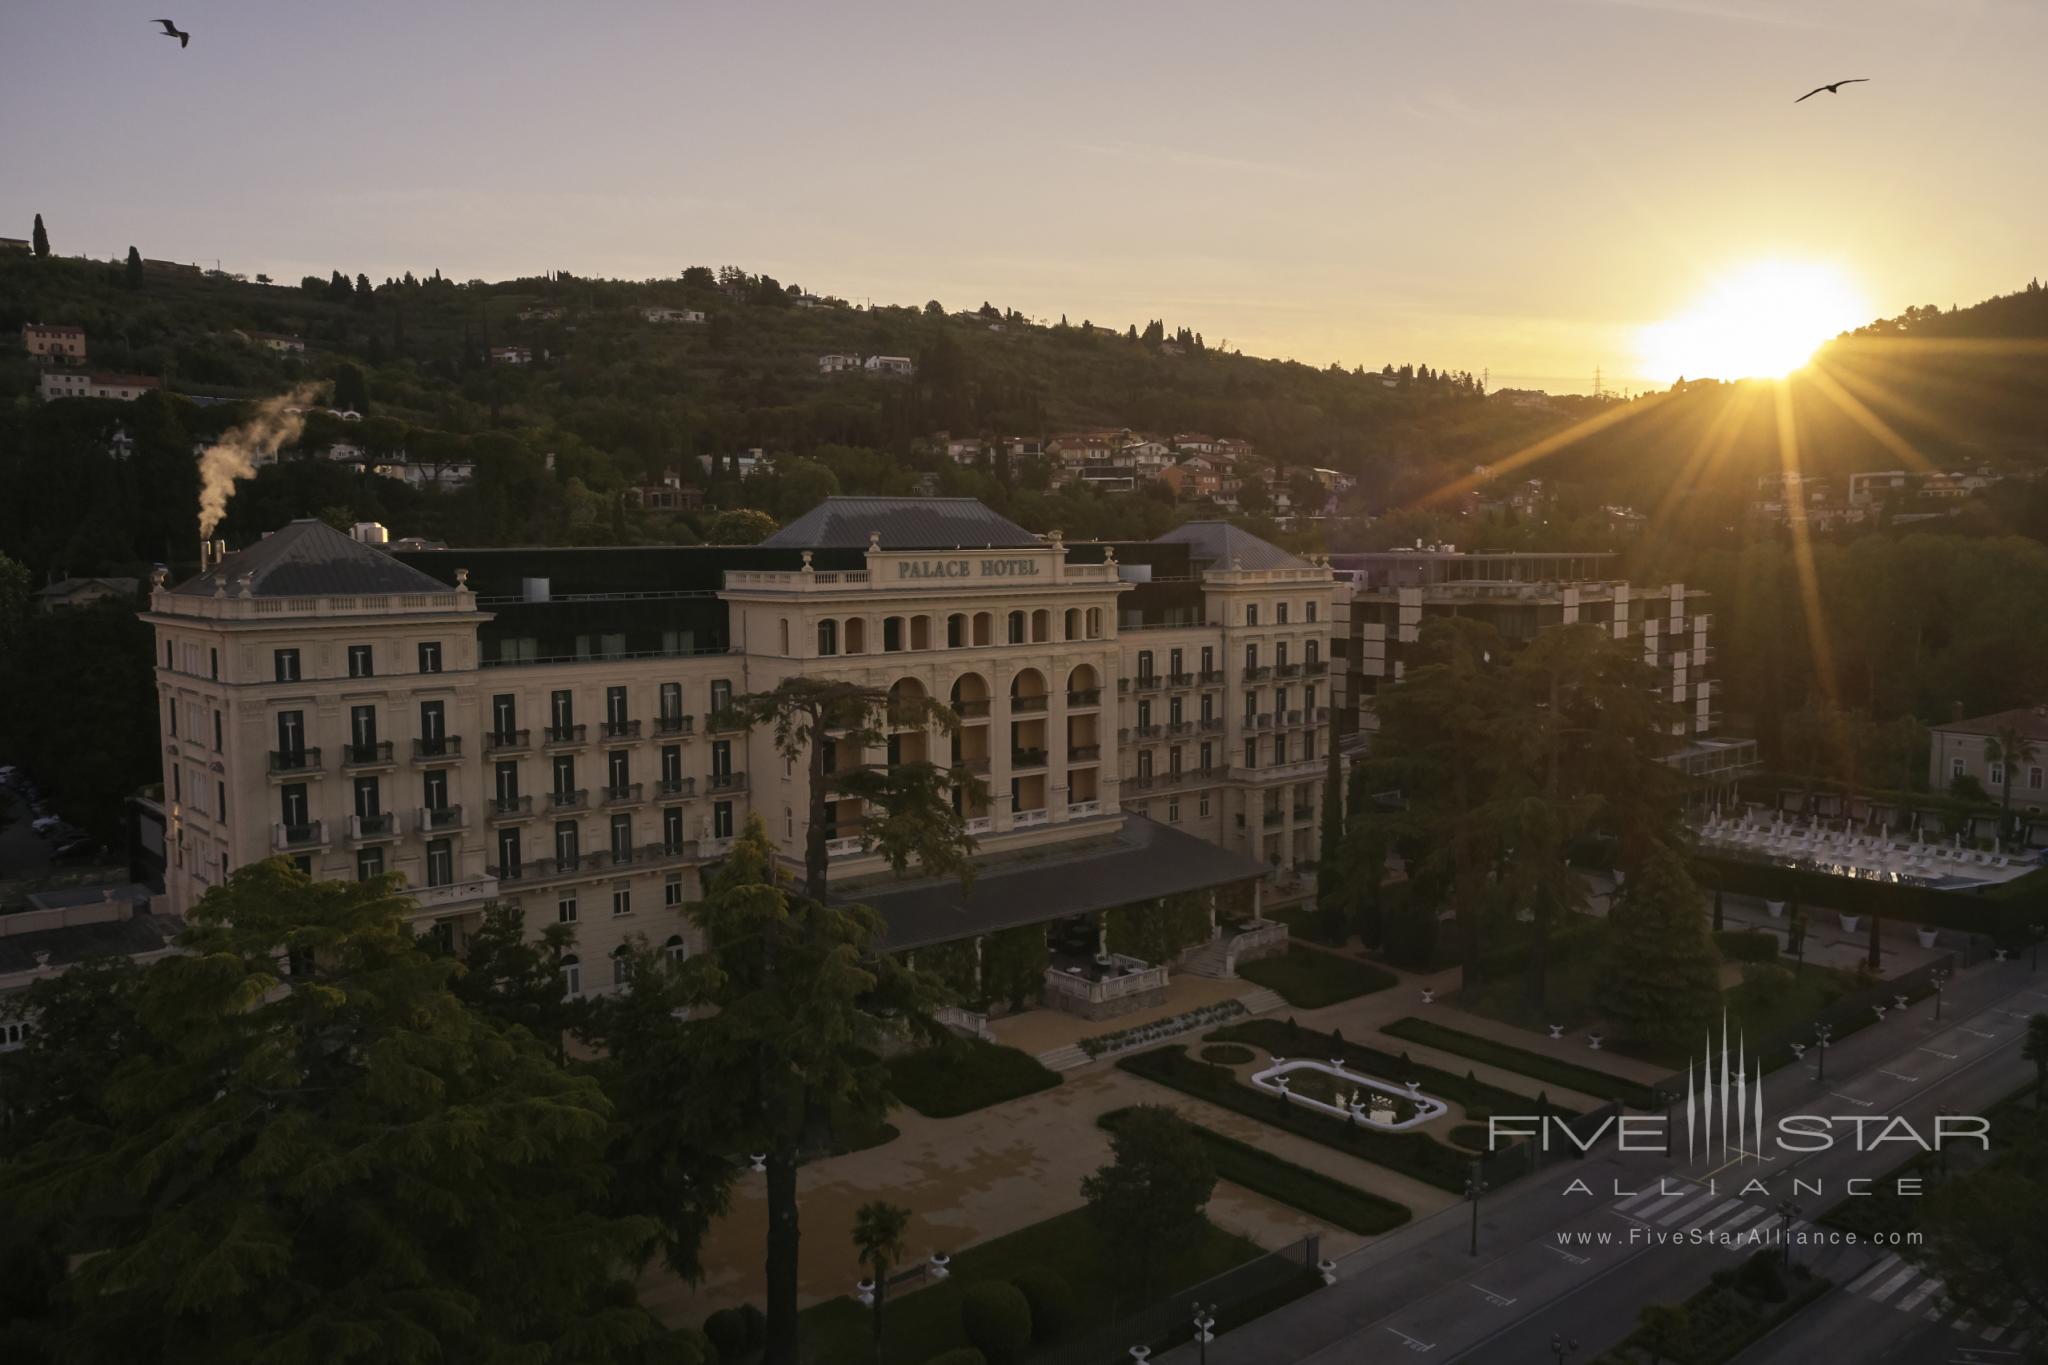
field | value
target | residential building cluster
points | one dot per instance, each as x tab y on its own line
1822	503
894	366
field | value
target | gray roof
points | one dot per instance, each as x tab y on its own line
71	943
309	558
1219	545
1142	861
904	524
64	587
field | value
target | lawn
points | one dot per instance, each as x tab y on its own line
1286	1039
1308	978
1318	1195
965	1074
1761	1016
923	1322
1535	1065
1412	1154
1722	1320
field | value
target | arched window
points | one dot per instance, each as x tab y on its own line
1095	623
572	977
892	634
856	635
828	637
1070	625
1041	626
956	630
675	950
622	967
1017	636
785	635
984	628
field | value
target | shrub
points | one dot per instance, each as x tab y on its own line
1748	945
1226	1054
1762	1278
965	1355
756	1326
689	1344
726	1330
996	1317
1051	1300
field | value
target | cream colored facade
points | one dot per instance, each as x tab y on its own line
359	734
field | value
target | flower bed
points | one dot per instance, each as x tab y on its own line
1159	1030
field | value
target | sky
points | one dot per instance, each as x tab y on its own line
1518	187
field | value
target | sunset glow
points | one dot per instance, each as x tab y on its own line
1760	322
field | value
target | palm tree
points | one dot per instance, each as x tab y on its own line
2035	1050
2008	748
878	1236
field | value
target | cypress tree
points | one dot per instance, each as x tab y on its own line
1661	982
41	238
131	274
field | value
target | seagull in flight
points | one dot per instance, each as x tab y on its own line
1834	89
171	30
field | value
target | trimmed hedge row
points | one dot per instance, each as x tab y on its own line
1412	1154
1284	1038
1309	978
961	1075
1325	1197
1536	1065
1721	1321
1998	911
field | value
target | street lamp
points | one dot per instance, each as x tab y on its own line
1562	1346
1473	1186
1940	979
2039	931
1821	1034
1205	1322
1787	1211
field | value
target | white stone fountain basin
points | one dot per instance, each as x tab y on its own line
1427	1107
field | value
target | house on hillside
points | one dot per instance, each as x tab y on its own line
81	592
56	384
511	355
53	343
1078	448
542	314
171	268
653	314
1148	457
1194	477
16	244
838	364
890	365
281	342
745	464
1965	748
667	494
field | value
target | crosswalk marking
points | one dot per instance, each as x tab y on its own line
1864	1281
1686	1209
1712	1215
1885	1290
1749	1214
1652	1193
1919	1296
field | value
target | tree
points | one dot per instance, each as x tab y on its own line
1335	899
351	390
1013	964
365	1168
2035	1050
515	979
364	297
801	1000
2008	748
1157	930
1661	980
740	526
40	239
907	810
878	1229
1148	1201
339	290
131	273
1663	1329
1985	1239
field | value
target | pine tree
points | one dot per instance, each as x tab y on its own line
131	273
40	238
1661	980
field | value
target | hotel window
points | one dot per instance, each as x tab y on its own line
220	801
562	711
721	695
174	718
216	730
1208	706
360	662
285	664
565	774
1017	634
1208	755
1173	810
1174	662
1251	753
508	853
1173	710
1144	716
1144	664
1996	777
369	863
1280	654
177	784
440	862
1202	808
615	709
1251	658
672	767
434	790
1955	767
565	909
721	820
213	664
1095	623
1280	614
1311	652
1208	658
169	660
618	765
622	900
1279	748
956	631
572	970
433	728
430	656
622	956
504	716
291	733
1279	702
1144	765
622	838
672	829
2034	779
828	637
1308	745
675	950
721	759
1173	760
788	823
1251	613
672	892
785	635
1251	705
1308	611
670	701
568	850
507	784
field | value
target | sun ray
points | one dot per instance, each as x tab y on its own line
1802	549
1544	448
1817	374
1714	444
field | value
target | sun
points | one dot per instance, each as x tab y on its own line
1762	321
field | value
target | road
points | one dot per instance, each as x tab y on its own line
1583	1265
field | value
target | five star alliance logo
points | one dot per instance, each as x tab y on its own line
1735	1099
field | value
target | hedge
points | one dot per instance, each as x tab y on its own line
1998	911
1586	1080
1737	1308
995	1316
1054	1308
1411	1153
1285	1038
1747	945
1309	978
1321	1196
961	1075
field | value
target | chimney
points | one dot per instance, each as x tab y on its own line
205	553
220	551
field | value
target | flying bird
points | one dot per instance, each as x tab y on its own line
171	30
1834	89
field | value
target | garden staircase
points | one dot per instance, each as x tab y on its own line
1063	1058
1211	959
1260	1001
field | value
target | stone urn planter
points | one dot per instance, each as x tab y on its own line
1927	936
1777	909
1850	922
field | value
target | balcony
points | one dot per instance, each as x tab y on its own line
439	819
1148	731
977	766
294	762
1025	819
562	736
1115	986
1212	725
439	749
621	729
470	891
568	800
1021	705
1294	717
1081	810
619	855
1090	696
971	710
1021	759
363	828
675	725
294	838
1180	680
723	723
626	795
1257	673
507	741
1262	721
676	787
1320	715
510	807
1304	812
849	846
1210	677
1084	753
724	783
980	824
670	851
1286	670
1316	668
1180	727
1274	818
376	754
1149	682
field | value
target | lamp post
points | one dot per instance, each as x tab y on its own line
1821	1034
1473	1186
2040	930
1205	1323
1562	1346
1787	1211
1940	979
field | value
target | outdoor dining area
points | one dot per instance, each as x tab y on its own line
1874	850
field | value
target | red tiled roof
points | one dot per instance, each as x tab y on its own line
2031	721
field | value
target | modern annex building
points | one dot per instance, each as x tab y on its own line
539	726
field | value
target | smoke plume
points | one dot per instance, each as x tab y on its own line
235	454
